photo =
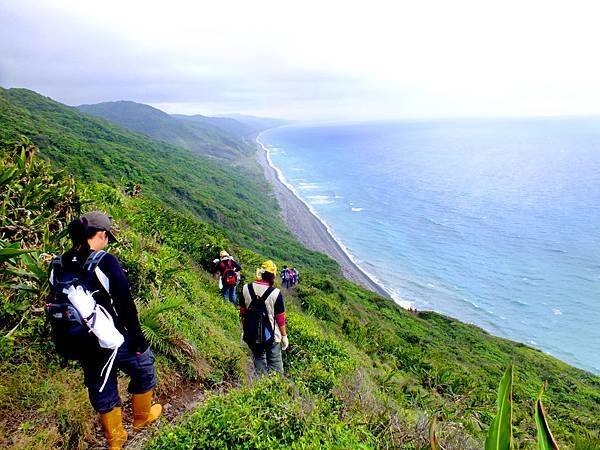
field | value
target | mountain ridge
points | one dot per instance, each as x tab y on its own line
199	136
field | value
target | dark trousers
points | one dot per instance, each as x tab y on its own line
139	368
267	359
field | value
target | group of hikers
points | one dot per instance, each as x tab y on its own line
94	320
228	271
262	312
289	277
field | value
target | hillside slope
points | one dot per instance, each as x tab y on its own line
235	198
200	136
360	370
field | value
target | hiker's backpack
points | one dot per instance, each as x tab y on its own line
258	330
79	324
69	332
229	275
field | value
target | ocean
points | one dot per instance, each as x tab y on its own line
493	222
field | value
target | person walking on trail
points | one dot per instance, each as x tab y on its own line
229	275
90	234
285	277
292	277
262	314
296	275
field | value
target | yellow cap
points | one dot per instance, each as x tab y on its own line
223	254
267	266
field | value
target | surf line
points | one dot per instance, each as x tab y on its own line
381	289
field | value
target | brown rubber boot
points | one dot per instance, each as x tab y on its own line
144	411
112	423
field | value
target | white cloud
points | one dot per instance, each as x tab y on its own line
310	59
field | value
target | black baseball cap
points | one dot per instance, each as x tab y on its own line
96	219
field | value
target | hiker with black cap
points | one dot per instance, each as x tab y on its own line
90	234
262	314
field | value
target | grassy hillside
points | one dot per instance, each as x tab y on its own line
234	198
360	370
200	136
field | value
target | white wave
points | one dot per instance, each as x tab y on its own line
350	256
557	312
319	199
406	304
308	186
357	209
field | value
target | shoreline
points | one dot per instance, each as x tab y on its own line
309	228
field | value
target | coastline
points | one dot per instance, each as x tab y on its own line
309	229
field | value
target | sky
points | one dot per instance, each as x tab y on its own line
310	60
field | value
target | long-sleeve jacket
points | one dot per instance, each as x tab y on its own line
117	301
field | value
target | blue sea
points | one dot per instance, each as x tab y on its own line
494	222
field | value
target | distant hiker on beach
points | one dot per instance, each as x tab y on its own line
229	275
94	320
262	314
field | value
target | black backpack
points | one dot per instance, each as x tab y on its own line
70	334
258	330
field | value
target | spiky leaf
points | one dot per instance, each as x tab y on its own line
500	433
544	435
8	253
433	441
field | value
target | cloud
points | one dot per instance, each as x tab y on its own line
309	59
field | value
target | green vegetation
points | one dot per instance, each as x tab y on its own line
545	438
360	370
499	436
200	136
235	199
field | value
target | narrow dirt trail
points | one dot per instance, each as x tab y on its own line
185	399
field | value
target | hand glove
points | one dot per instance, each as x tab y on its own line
285	343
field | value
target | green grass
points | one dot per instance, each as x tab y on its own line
360	370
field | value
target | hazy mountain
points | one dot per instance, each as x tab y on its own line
238	125
258	123
199	136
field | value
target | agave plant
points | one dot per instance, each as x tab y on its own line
500	433
35	204
545	439
434	444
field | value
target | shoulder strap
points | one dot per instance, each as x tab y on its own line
91	263
55	266
263	297
93	260
251	292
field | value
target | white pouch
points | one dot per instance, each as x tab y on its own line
100	322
